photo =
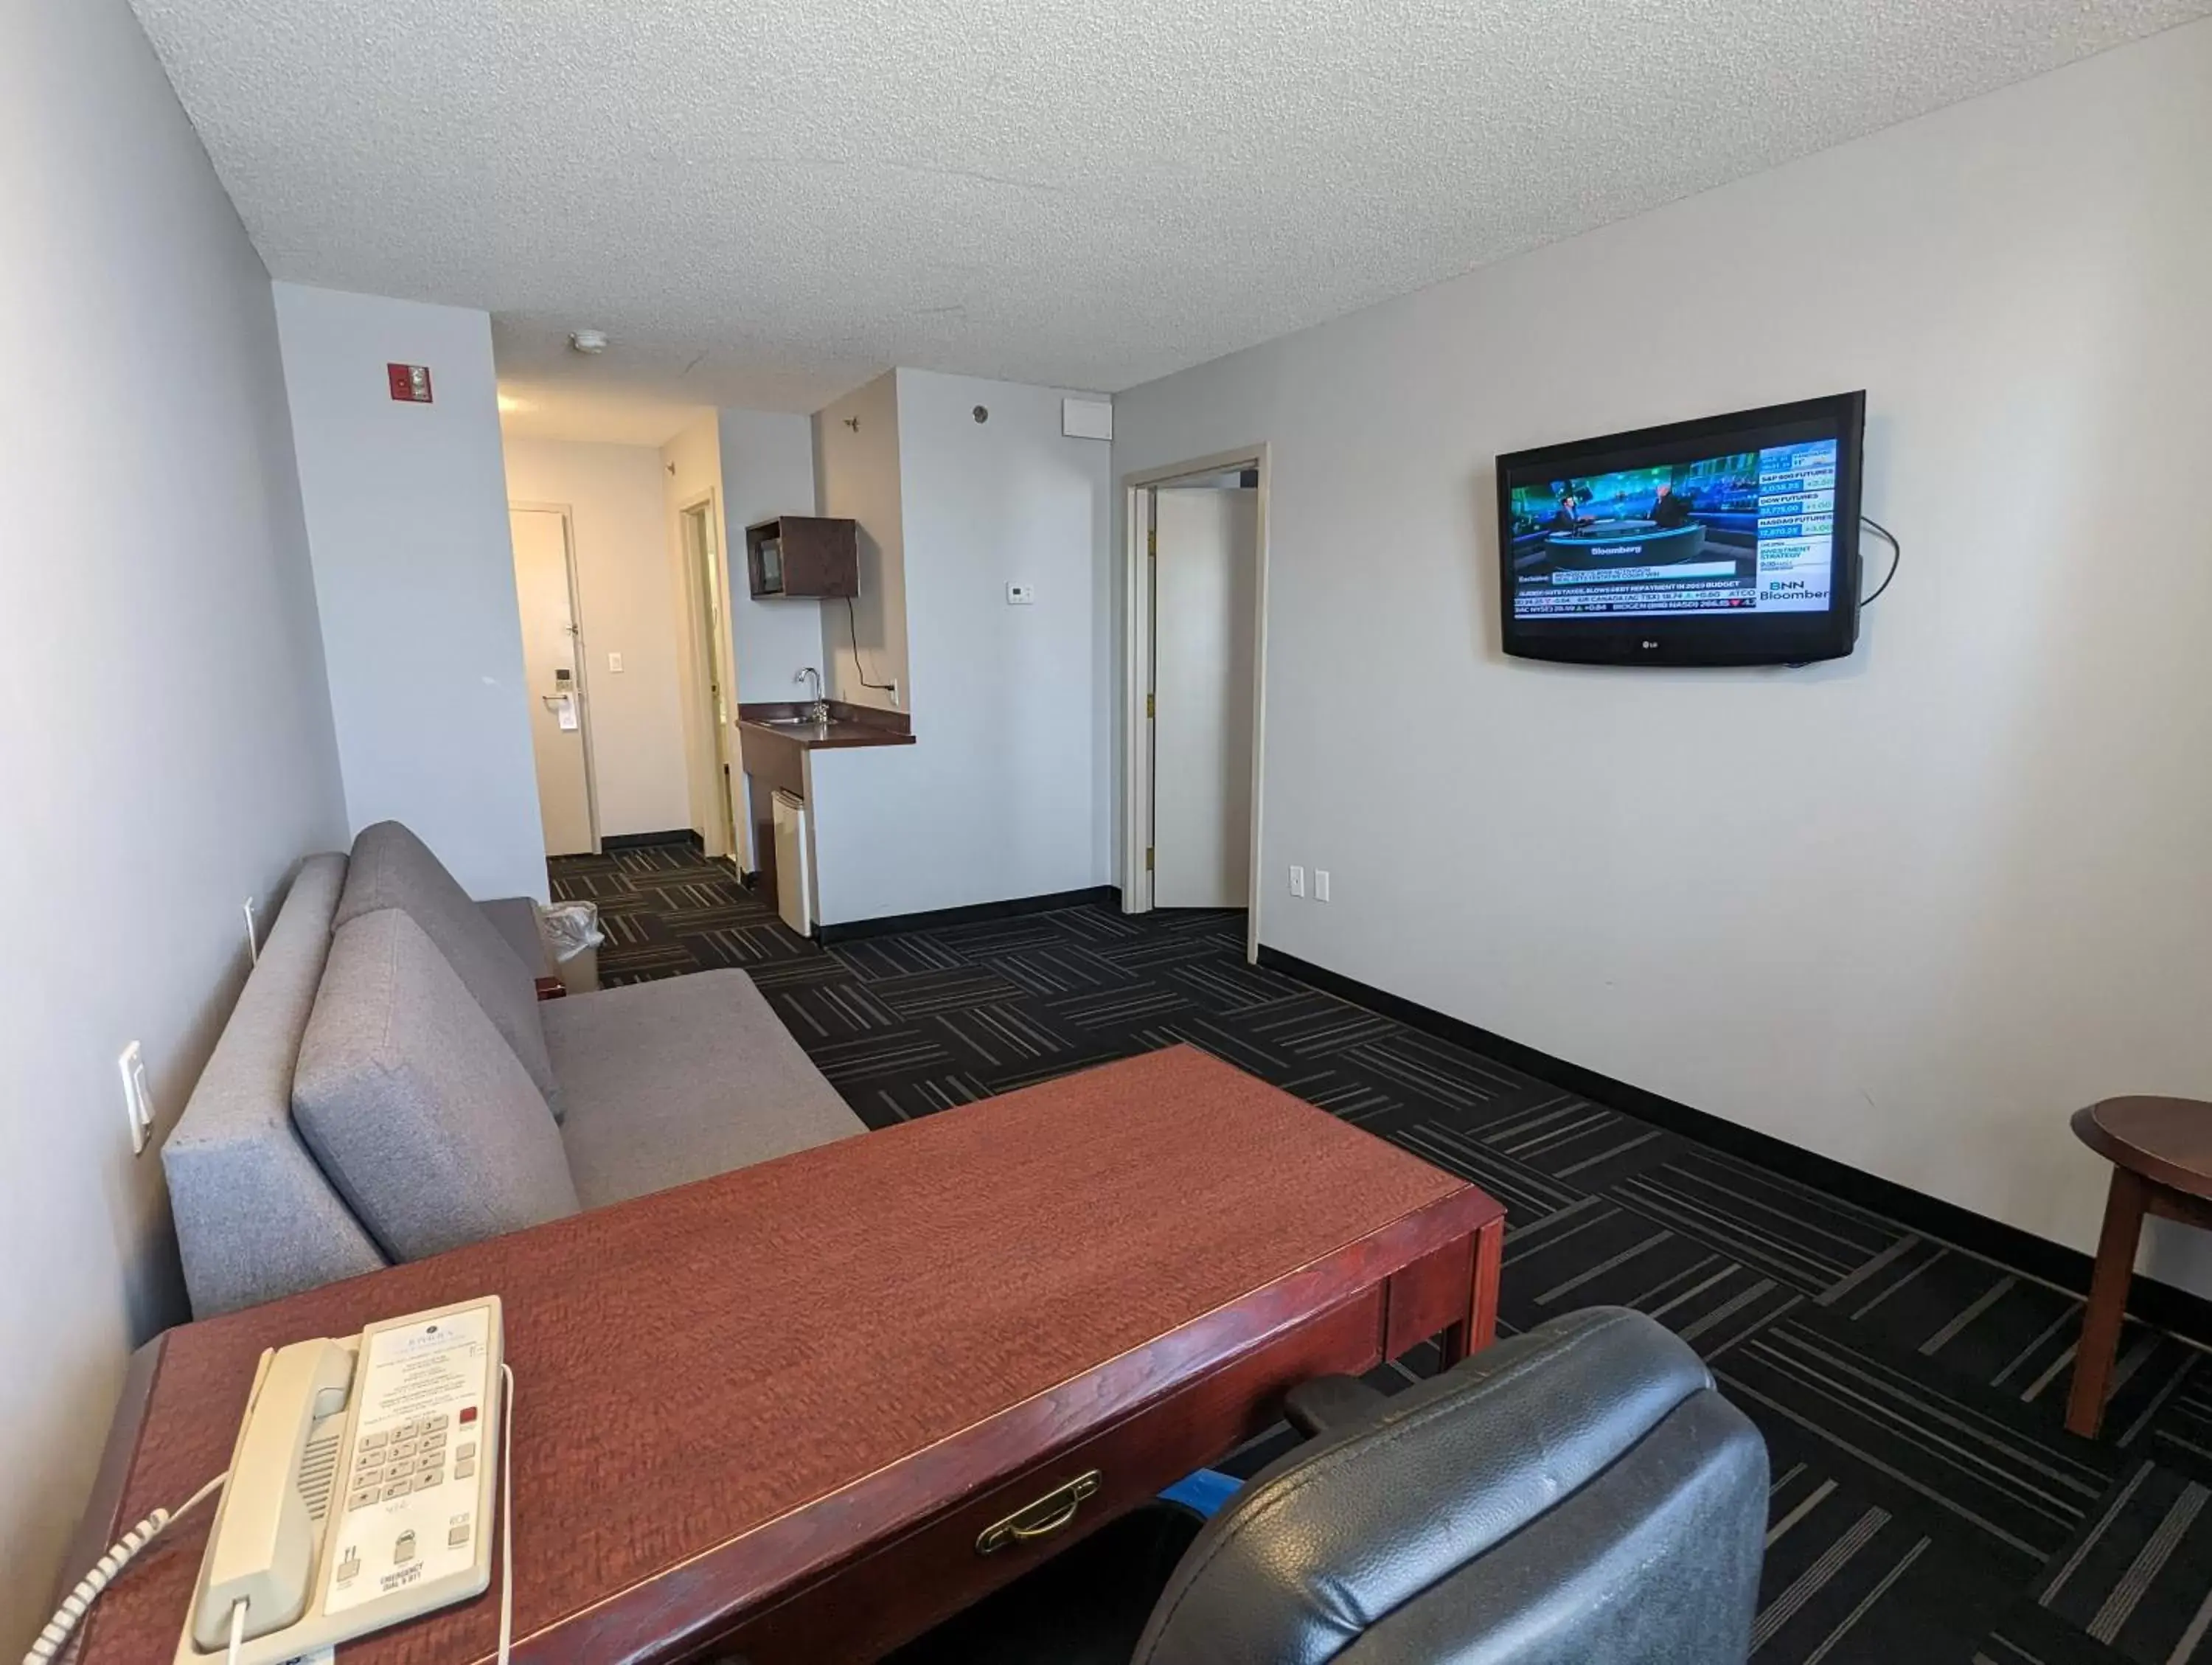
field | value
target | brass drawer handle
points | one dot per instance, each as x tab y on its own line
1040	1519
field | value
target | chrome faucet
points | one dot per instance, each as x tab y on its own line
818	710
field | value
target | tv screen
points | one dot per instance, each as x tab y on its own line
1730	540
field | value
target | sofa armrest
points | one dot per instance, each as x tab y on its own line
515	917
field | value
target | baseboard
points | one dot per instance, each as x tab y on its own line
646	841
1096	896
2154	1303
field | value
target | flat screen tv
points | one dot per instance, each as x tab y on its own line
1730	540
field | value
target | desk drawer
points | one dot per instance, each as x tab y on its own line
870	1606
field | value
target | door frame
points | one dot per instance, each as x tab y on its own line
568	514
720	737
1136	760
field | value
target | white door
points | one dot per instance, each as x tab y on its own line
550	669
703	575
1205	575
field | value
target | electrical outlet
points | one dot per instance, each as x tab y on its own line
898	696
252	935
137	1097
614	662
1297	881
1321	884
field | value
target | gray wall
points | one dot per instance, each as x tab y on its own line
768	469
165	735
857	477
1005	793
1909	909
406	508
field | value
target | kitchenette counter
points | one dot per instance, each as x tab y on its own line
776	742
849	725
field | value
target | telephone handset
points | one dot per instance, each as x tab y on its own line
361	1489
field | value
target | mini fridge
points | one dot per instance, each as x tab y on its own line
792	879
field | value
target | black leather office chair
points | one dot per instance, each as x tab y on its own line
1577	1495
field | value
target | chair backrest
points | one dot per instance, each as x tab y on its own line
256	1215
1577	1494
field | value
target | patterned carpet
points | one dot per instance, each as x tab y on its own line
1927	1505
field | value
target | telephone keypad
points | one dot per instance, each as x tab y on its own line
363	1499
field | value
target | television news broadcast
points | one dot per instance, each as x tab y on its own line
1749	532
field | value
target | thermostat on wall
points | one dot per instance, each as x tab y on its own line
1020	595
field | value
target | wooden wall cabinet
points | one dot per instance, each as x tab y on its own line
803	555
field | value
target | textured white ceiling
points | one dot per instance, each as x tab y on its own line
767	202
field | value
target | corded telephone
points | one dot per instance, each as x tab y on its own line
361	1489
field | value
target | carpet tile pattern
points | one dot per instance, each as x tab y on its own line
1926	1506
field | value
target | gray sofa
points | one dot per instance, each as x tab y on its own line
389	1085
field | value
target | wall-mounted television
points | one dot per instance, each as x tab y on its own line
1730	540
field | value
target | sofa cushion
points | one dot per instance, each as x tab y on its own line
392	868
420	1114
255	1218
676	1080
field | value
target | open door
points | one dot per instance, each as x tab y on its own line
1205	579
711	653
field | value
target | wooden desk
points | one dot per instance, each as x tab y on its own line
769	1414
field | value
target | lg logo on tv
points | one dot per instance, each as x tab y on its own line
1648	647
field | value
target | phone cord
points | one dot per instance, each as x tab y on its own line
507	1518
48	1645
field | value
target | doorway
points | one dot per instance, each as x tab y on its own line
1192	684
715	789
553	674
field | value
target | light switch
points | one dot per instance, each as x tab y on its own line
1321	884
1297	881
614	662
1020	595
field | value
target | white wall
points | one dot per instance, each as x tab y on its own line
165	737
406	508
1004	794
768	469
1909	911
630	604
857	470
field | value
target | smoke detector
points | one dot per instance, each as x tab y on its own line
589	341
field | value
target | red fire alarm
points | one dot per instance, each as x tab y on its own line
411	383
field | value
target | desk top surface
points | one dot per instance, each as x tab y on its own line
737	1381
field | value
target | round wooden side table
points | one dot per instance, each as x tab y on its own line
2161	1149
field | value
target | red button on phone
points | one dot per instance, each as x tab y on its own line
468	1414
